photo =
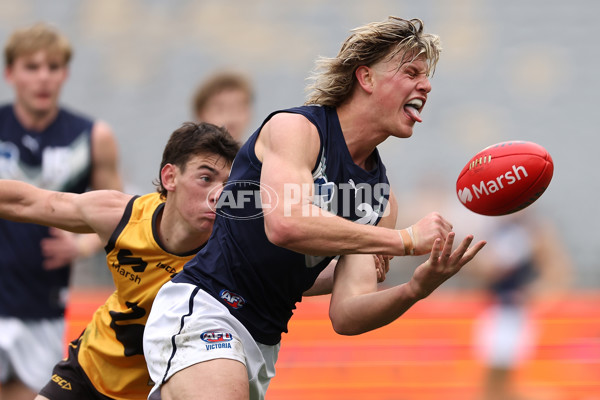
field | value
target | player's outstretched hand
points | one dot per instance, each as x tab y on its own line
427	230
442	264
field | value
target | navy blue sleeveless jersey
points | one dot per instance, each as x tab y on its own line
258	281
513	254
59	158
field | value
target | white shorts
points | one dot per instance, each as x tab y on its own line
30	349
505	336
187	326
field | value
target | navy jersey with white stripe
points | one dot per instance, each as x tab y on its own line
59	158
258	281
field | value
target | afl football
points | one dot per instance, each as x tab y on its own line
504	178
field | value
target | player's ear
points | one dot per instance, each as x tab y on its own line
8	76
364	77
167	175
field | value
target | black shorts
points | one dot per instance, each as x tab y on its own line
69	381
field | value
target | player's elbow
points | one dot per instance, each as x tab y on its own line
342	325
281	231
342	328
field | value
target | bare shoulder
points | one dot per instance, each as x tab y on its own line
105	154
108	202
110	197
104	142
288	131
102	131
289	119
103	209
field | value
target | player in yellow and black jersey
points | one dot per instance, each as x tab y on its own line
148	239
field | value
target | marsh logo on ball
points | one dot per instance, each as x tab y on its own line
504	178
465	195
492	186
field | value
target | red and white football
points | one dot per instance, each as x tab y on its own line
504	178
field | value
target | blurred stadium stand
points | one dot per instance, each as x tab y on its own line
509	70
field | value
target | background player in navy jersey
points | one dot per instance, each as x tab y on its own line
51	147
214	330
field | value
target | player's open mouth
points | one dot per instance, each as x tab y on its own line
413	109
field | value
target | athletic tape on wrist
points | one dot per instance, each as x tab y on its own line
408	240
412	237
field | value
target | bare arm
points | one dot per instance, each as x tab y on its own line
61	247
105	166
288	147
324	283
96	211
356	305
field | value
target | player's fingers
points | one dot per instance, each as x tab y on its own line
386	263
462	248
440	224
436	250
447	225
48	246
52	263
445	257
447	250
58	233
472	252
385	267
378	267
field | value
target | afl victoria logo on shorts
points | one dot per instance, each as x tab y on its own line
216	339
216	336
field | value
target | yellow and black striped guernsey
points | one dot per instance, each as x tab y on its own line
110	349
